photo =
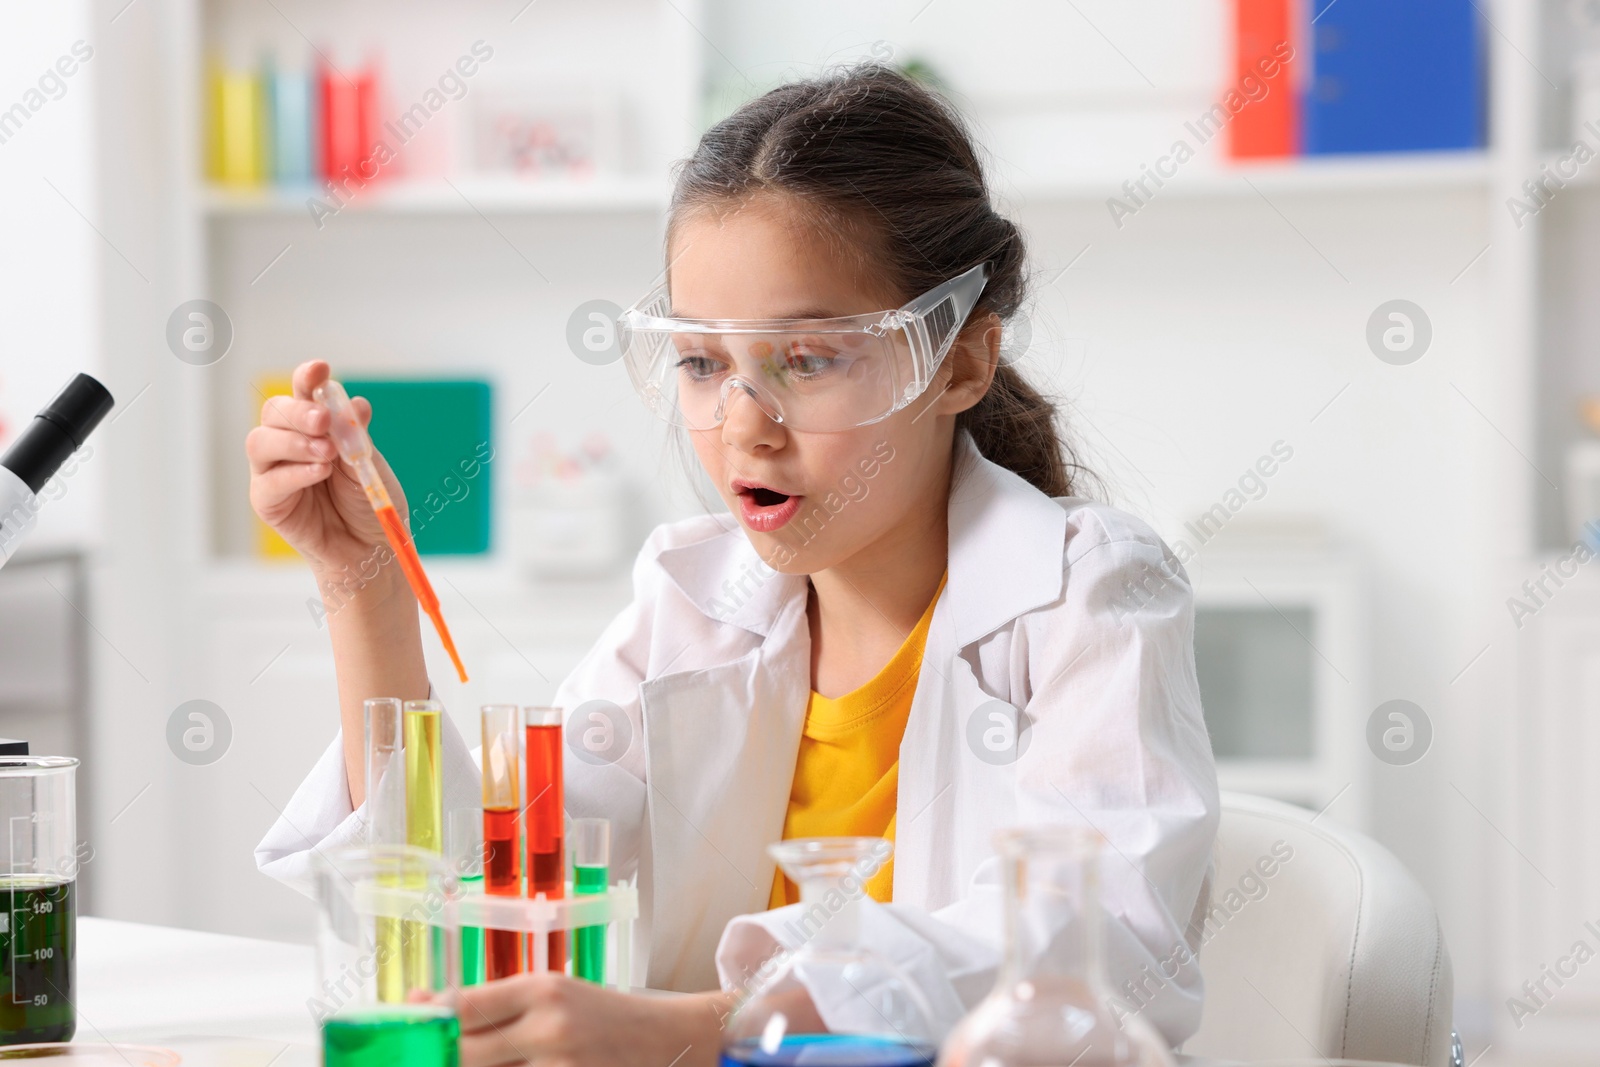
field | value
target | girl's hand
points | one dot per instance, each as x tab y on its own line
556	1021
301	488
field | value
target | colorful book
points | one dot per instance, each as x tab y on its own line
1264	75
1394	76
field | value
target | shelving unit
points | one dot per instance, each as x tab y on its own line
1551	884
465	196
1322	175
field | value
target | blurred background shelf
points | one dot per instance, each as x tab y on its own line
465	196
1421	172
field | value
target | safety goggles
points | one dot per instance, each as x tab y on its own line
813	375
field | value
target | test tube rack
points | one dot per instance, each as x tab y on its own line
616	909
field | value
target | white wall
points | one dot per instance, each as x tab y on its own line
51	254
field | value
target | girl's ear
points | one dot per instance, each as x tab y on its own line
972	359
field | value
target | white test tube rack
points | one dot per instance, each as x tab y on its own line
616	909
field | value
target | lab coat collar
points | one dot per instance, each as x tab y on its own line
1006	545
728	580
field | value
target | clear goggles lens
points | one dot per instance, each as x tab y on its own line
816	375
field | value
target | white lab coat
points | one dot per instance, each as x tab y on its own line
1069	610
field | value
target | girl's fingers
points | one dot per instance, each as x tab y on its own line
274	486
492	1005
292	413
496	1003
266	446
494	1048
309	375
363	408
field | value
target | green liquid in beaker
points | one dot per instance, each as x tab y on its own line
383	1037
37	935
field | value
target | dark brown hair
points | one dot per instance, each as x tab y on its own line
889	165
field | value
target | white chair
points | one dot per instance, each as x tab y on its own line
1319	943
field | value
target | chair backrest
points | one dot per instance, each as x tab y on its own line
1319	943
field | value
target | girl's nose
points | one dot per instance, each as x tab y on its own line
749	424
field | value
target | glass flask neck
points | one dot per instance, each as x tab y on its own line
1054	921
844	912
832	873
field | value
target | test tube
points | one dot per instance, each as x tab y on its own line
591	860
386	825
502	826
423	734
547	867
463	838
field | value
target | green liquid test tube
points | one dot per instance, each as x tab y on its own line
386	825
591	860
463	834
421	944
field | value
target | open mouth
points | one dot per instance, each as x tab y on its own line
767	498
763	508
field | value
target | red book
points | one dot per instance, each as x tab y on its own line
349	124
1267	125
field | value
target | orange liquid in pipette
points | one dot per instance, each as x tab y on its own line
411	567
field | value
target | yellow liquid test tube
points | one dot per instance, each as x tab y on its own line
423	727
386	825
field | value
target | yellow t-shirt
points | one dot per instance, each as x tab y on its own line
848	770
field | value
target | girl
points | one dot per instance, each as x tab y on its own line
905	570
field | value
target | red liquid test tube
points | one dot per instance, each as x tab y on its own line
545	823
503	950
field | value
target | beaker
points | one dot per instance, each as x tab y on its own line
38	890
360	893
832	1002
1051	1003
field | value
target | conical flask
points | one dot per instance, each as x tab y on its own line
832	1002
1052	1005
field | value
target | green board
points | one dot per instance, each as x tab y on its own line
438	436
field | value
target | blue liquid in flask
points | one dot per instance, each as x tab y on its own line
829	1050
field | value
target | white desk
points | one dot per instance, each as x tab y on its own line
155	985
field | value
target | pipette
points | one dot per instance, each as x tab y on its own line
355	448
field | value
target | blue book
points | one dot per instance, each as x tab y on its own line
1393	76
292	125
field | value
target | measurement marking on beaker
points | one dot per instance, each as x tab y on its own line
14	921
11	886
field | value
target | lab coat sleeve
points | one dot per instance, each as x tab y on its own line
318	817
1106	679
